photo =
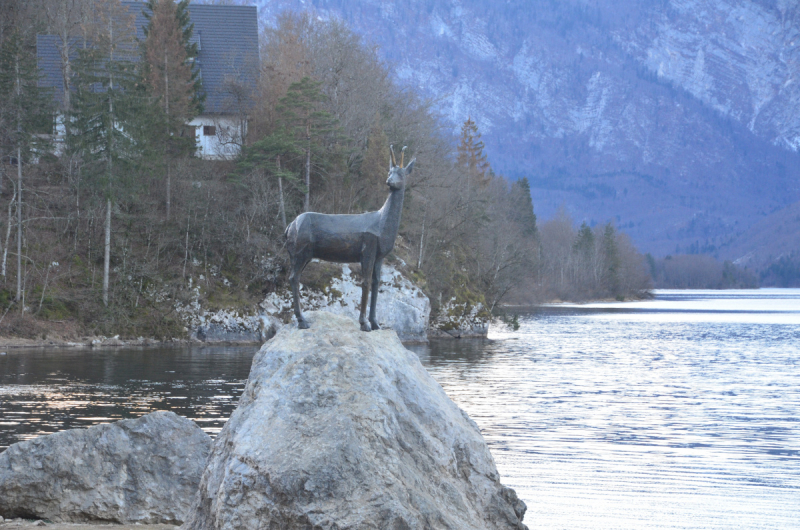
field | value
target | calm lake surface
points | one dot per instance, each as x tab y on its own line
678	412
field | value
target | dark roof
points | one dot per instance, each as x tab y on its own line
50	64
228	39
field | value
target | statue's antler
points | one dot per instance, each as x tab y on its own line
403	155
392	161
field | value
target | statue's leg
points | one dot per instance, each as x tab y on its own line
367	263
299	263
373	299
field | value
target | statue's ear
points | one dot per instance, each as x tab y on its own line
410	166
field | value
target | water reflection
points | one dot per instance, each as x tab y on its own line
47	390
678	412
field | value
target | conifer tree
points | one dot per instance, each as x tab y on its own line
170	78
265	156
612	259
192	48
471	158
302	116
375	166
25	111
111	112
475	175
521	190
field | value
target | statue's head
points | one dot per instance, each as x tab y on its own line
398	174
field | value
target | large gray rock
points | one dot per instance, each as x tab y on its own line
402	306
144	470
341	429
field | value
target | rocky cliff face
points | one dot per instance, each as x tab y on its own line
741	59
402	307
338	428
677	119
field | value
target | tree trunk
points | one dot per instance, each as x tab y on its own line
308	169
19	189
66	77
8	234
186	247
19	224
421	242
169	180
107	254
166	108
280	193
110	154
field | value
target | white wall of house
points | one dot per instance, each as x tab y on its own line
59	137
219	137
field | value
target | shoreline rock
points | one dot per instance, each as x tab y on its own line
462	317
143	470
338	428
402	306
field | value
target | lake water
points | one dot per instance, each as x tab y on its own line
678	412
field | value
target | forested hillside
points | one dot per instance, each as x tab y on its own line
680	120
113	224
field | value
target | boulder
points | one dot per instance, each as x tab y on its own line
402	306
144	470
229	326
342	429
462	317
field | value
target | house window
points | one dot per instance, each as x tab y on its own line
209	130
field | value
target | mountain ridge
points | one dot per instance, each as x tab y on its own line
679	120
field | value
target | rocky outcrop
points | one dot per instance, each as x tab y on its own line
230	326
224	325
464	316
402	306
144	470
338	429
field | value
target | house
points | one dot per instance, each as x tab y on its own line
228	58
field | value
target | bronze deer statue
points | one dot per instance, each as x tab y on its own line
364	238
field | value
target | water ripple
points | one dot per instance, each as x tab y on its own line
681	412
618	416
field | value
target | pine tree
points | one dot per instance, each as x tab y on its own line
111	113
169	75
521	190
25	111
583	263
612	260
471	159
265	156
375	166
475	174
191	48
301	115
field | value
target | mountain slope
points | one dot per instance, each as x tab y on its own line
678	119
766	242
